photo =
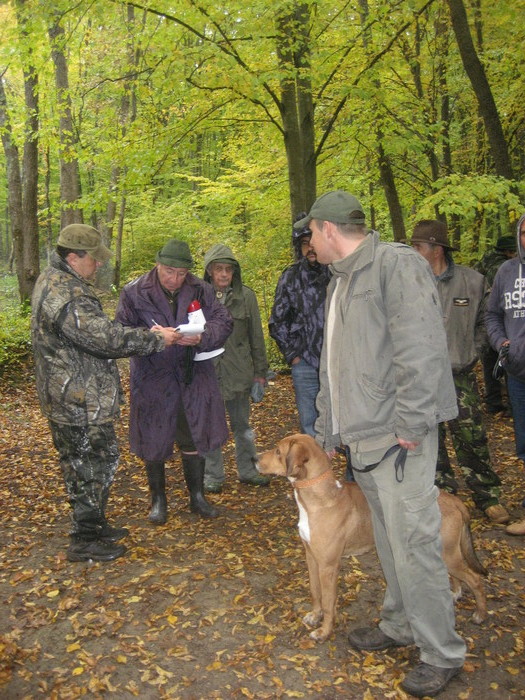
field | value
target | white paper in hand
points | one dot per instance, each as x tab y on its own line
190	328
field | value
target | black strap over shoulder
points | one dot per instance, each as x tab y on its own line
399	464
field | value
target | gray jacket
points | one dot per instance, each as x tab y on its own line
463	295
388	357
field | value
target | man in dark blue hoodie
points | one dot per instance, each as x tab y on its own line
505	322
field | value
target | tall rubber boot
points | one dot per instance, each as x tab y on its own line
193	466
157	486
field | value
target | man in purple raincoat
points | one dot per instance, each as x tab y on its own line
175	399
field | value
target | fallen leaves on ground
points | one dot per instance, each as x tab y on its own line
213	608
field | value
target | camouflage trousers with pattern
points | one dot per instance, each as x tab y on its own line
469	439
89	458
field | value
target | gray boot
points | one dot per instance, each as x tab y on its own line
157	486
193	466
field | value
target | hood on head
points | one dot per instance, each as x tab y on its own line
221	253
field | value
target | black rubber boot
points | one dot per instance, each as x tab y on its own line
157	486
193	466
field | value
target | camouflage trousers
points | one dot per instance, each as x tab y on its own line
88	459
469	439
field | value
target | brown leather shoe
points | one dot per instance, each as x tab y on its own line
497	514
516	528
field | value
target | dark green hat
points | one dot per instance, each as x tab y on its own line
506	243
84	237
175	254
338	207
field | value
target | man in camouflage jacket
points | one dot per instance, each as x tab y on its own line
75	345
297	323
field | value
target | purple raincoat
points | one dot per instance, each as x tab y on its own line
158	381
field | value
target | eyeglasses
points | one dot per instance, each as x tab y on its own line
174	272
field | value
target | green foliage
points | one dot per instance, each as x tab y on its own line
15	339
467	196
181	118
487	206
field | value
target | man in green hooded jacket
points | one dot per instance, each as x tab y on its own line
241	368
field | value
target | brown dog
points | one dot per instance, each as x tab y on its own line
334	519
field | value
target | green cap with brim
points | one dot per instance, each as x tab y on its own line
338	206
84	237
175	254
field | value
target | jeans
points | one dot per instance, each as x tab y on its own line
238	410
516	389
306	386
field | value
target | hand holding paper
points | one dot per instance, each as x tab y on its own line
190	328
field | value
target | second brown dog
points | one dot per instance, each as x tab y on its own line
334	519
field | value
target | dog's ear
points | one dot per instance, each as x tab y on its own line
297	455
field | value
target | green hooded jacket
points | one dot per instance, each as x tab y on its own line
244	356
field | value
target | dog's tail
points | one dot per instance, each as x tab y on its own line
468	551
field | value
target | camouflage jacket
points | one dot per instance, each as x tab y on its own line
297	320
74	347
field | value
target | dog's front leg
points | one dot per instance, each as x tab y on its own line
327	577
315	616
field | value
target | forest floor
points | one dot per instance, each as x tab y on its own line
202	609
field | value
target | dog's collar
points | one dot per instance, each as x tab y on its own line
310	482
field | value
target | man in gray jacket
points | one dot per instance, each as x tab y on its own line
386	384
463	293
241	368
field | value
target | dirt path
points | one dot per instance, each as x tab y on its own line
212	609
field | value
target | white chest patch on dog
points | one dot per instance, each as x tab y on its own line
303	524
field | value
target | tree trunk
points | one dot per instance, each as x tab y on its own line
69	171
478	79
391	194
383	161
29	249
14	186
297	110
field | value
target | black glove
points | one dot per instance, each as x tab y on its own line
499	368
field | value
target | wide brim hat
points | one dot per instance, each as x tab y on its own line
433	237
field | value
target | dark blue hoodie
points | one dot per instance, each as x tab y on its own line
505	313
